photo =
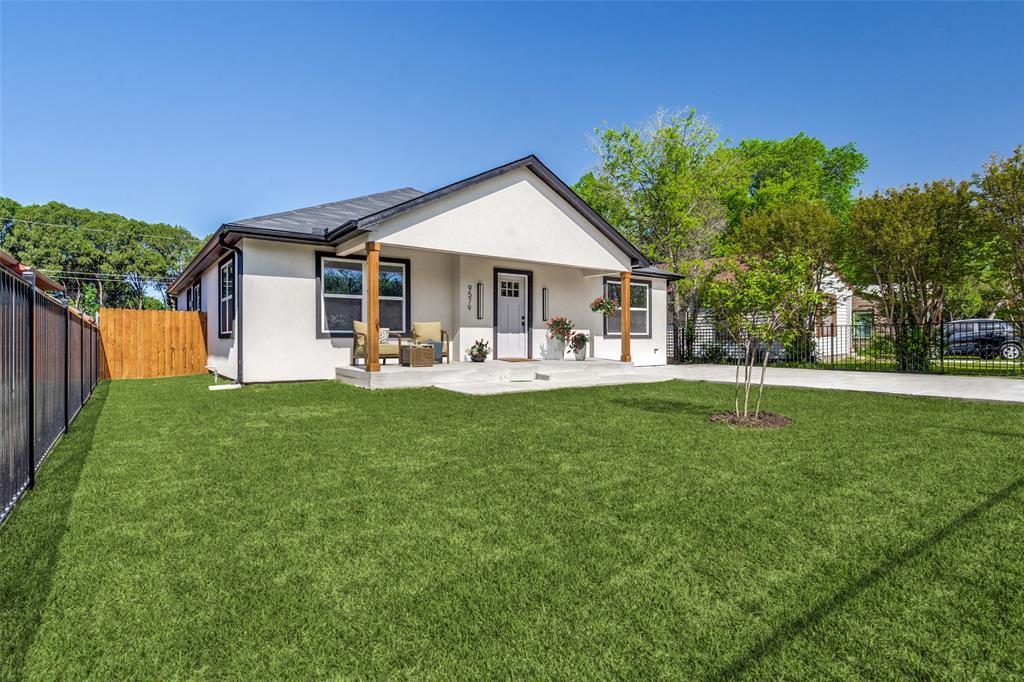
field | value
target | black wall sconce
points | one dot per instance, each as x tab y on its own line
544	304
479	300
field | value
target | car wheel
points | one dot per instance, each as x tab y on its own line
1010	351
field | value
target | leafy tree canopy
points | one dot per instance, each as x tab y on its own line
665	187
102	258
914	244
795	170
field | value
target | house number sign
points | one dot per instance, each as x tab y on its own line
469	297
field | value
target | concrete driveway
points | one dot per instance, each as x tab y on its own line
935	385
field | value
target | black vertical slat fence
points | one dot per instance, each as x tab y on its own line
49	367
50	362
74	365
978	347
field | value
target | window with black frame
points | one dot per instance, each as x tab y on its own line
639	308
226	298
343	294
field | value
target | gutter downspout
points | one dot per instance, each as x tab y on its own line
238	305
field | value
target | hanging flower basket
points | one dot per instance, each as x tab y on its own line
605	306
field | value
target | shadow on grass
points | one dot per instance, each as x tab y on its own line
663	406
824	608
31	537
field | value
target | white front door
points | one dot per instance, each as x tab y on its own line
511	310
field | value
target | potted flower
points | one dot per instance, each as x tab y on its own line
560	329
578	345
605	306
479	351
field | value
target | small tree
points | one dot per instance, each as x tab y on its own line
759	303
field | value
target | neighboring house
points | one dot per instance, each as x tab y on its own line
834	334
492	256
43	283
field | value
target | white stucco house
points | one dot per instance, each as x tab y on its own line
492	256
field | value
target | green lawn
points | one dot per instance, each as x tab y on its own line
317	530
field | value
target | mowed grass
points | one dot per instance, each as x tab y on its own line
321	531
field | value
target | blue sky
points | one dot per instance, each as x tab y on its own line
196	113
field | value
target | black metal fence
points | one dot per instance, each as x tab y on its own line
984	347
49	365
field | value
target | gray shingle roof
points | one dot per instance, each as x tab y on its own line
327	224
319	219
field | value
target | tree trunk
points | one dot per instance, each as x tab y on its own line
748	372
760	390
677	325
736	395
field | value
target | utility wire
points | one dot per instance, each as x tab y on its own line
90	229
111	281
105	277
102	274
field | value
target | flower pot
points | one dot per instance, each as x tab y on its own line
580	354
477	358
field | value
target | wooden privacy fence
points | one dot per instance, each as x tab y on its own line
141	344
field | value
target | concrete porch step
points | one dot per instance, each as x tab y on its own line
500	387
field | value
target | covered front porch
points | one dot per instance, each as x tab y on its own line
507	303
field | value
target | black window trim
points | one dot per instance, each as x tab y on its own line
650	321
234	296
384	260
194	296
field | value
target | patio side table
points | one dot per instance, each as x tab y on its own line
417	355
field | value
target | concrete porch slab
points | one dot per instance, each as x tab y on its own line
512	376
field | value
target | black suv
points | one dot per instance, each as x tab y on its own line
982	338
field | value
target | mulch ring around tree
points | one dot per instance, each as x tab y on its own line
766	420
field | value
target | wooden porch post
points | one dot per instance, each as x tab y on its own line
373	307
624	309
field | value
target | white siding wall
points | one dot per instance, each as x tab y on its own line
280	316
280	309
220	352
842	343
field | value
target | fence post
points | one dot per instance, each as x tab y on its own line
942	346
30	277
81	357
67	359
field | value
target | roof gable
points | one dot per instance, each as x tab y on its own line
531	163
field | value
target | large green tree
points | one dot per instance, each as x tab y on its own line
798	169
1000	191
102	258
665	186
